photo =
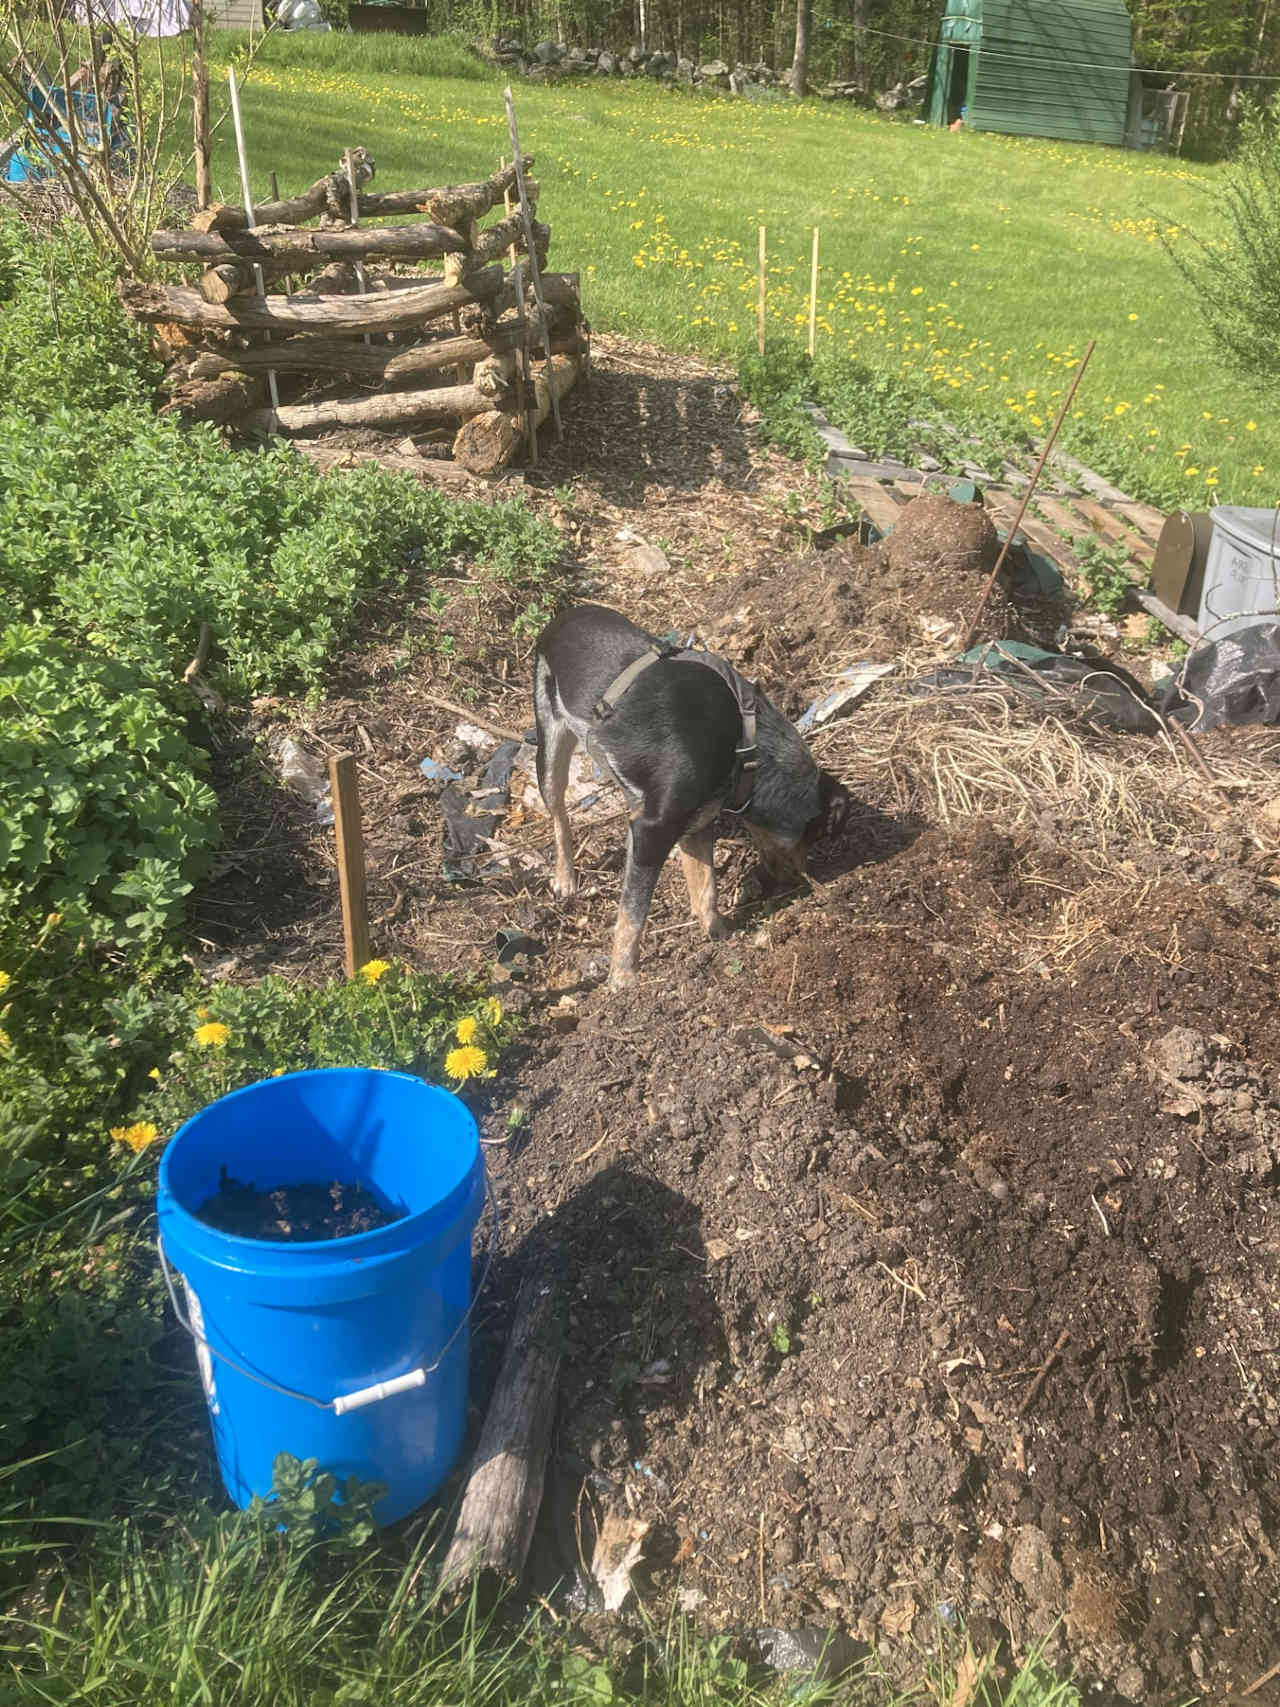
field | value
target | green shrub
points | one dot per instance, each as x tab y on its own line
1238	281
135	531
107	820
64	338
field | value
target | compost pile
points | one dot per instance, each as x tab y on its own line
295	1213
920	1240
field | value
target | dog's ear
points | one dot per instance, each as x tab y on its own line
835	805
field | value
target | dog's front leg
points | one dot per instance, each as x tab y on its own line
698	856
648	845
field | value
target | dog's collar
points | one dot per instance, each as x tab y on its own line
746	755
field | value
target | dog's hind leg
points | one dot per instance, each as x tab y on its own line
698	856
648	844
556	743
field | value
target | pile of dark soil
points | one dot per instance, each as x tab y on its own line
923	1251
295	1214
909	597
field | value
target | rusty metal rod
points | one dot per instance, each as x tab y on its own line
976	618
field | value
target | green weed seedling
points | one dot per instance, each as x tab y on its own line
1106	573
311	1505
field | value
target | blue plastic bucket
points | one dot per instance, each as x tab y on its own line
296	1343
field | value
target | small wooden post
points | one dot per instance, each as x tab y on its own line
200	105
362	278
275	188
813	293
346	819
760	331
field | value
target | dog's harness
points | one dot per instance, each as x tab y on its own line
746	758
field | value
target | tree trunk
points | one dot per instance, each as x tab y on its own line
200	105
859	43
800	61
383	311
488	441
504	1490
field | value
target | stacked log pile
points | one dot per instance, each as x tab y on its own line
313	295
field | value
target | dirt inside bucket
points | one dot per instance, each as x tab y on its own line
295	1214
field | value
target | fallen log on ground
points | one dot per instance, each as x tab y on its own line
487	442
504	1490
383	311
383	409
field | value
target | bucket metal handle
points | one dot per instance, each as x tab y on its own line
363	1395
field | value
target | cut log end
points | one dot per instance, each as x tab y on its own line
487	442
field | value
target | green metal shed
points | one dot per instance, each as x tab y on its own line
1034	68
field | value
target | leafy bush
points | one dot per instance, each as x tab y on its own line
64	339
107	821
135	531
1238	281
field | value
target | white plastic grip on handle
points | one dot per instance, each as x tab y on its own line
380	1390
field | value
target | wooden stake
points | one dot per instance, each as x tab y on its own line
526	369
275	188
760	330
813	293
362	278
346	820
976	618
534	278
200	105
248	211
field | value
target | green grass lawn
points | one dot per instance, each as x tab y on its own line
975	266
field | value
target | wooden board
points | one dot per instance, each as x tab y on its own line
879	502
1004	507
1182	625
1147	520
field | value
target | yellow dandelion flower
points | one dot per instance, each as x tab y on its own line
5	981
1251	426
212	1036
154	1074
465	1063
137	1136
466	1030
1133	317
1188	472
372	970
6	1042
202	1013
493	1010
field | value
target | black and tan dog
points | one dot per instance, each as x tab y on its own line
686	737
